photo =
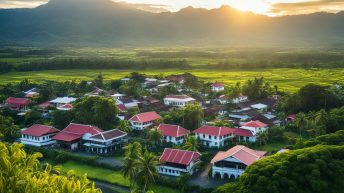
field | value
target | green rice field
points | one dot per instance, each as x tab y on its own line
287	79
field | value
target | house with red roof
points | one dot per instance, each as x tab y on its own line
176	162
38	135
19	104
144	120
217	87
178	100
254	126
65	107
173	133
104	142
233	162
71	136
212	136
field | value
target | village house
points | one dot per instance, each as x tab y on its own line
254	126
71	136
212	136
60	101
173	133
224	99
96	92
178	100
19	104
144	120
176	162
38	135
32	93
128	102
233	162
262	108
65	107
104	142
217	87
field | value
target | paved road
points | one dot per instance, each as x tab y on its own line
202	179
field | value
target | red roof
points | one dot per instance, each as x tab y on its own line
213	130
292	117
217	84
145	117
67	106
254	124
39	130
44	105
122	108
242	132
75	131
178	156
241	153
18	101
172	130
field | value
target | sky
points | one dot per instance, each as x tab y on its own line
267	7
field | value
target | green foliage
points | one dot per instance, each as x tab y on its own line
193	116
8	129
98	111
257	89
21	172
192	143
336	138
155	136
316	169
32	116
61	119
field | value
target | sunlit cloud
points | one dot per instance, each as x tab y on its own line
7	4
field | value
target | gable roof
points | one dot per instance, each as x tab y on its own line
242	132
63	100
181	97
254	124
75	131
122	107
38	130
172	130
217	84
108	135
178	156
145	117
244	154
18	101
213	130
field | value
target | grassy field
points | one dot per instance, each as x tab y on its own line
287	79
107	175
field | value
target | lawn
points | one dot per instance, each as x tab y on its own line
107	175
286	79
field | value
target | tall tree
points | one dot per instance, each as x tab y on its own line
193	116
8	129
155	136
191	143
147	169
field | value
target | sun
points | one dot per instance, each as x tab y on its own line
255	6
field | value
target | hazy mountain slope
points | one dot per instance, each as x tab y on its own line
107	23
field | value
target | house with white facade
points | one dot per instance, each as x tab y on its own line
38	135
254	126
176	162
212	136
178	100
233	162
262	108
173	133
104	142
60	101
144	120
217	87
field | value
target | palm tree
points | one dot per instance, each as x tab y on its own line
124	126
147	169
129	170
301	122
133	150
155	136
191	143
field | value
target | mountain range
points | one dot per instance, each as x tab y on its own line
104	22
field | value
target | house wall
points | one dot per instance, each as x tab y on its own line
140	126
174	140
38	141
213	141
255	131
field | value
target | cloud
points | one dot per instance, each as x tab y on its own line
21	3
155	8
307	7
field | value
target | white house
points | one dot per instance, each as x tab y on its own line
233	162
104	142
223	99
217	87
212	136
173	133
144	120
178	100
38	135
254	126
176	162
62	101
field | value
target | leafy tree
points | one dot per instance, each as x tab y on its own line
315	169
21	172
61	119
191	143
8	129
336	138
257	89
193	116
155	136
262	138
115	84
99	81
147	169
301	122
32	117
174	116
125	126
98	111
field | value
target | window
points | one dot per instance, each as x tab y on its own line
215	137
